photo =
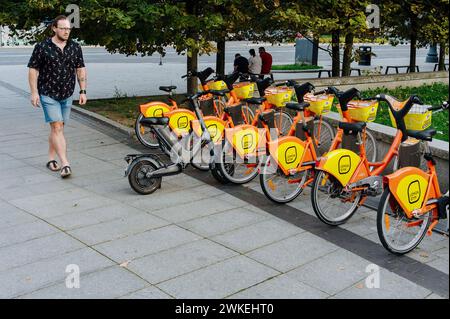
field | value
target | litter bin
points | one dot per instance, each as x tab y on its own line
365	55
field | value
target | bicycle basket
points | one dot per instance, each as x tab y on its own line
244	90
207	105
361	111
278	96
417	119
319	104
217	85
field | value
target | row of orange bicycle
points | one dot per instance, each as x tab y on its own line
280	132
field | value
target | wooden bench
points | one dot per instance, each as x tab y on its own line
318	71
396	67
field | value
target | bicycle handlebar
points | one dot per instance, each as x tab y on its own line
443	107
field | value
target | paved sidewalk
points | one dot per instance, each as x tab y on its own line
190	239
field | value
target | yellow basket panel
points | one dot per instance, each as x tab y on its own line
415	121
361	111
320	104
217	85
244	90
278	96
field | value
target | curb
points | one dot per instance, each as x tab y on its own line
104	120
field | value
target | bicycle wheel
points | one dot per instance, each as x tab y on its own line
323	135
234	169
200	160
278	187
283	122
371	147
396	231
249	113
220	105
331	203
139	182
144	134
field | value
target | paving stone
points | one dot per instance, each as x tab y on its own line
249	238
223	222
36	249
118	228
104	284
440	264
280	287
12	216
24	232
177	261
392	286
293	252
147	293
333	272
30	277
152	241
219	280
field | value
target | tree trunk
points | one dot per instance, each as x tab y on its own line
192	65
315	59
413	47
442	47
336	64
347	59
220	57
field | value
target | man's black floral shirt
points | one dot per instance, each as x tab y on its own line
56	68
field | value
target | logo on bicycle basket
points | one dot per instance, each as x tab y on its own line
414	192
213	130
182	122
344	164
247	141
291	155
158	113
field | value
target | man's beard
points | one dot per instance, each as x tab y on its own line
61	39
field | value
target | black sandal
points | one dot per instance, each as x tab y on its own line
66	171
53	168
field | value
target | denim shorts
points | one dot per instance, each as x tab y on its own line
56	111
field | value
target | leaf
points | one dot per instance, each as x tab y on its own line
125	264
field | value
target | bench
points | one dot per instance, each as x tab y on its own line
396	67
436	66
318	71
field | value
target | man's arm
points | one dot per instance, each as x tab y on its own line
32	80
82	82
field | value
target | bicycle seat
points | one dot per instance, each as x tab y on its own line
352	128
426	135
167	88
255	100
297	106
150	121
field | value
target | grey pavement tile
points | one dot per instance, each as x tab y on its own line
36	249
85	144
25	191
280	287
24	232
15	136
442	253
440	264
333	272
177	261
233	200
223	222
185	181
191	210
53	209
117	228
293	252
219	280
160	200
146	243
30	277
120	190
103	284
392	286
93	216
257	235
150	292
109	152
435	296
51	197
11	216
104	177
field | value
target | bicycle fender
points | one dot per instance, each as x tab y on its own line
340	163
409	186
145	157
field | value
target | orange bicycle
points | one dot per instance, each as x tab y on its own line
345	179
412	203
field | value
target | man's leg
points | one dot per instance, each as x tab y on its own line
58	142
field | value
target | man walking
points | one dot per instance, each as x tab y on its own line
52	69
240	64
266	59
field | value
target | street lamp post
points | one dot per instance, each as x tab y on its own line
432	55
